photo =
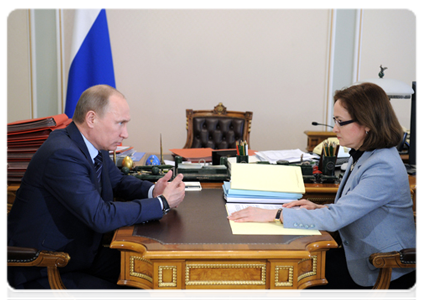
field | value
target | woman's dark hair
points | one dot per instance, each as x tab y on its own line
368	105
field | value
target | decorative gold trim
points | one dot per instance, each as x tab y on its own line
137	274
311	273
220	109
290	281
174	272
226	266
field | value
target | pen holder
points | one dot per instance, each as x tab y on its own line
328	165
242	159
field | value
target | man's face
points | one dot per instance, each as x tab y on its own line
111	129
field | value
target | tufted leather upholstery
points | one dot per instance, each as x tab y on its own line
218	128
217	133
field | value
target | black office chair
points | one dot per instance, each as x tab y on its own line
217	128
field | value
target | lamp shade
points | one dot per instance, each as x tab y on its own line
395	89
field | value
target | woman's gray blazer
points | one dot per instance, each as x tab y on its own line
373	214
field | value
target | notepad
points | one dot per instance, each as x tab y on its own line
192	186
267	177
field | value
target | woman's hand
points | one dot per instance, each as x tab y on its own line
253	214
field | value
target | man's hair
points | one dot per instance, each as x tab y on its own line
368	105
95	98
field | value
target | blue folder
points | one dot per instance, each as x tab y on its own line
235	193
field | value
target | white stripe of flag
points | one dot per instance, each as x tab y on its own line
91	55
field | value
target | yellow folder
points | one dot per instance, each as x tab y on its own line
267	177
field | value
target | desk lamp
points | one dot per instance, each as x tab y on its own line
395	89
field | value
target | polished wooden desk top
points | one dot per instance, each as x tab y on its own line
193	247
200	223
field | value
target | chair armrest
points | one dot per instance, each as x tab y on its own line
31	257
22	256
405	258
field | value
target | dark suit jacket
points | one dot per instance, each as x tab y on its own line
59	207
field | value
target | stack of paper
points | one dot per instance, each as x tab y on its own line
267	182
264	183
24	138
294	155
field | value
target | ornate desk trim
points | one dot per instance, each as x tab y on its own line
188	250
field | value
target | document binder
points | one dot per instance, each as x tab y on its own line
267	177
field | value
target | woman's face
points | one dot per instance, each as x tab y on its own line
351	135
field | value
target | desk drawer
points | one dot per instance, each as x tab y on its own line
226	274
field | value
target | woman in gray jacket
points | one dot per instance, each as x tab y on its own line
373	208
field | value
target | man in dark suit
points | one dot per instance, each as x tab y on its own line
65	201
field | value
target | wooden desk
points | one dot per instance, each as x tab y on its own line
319	193
193	247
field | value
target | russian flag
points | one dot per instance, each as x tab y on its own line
91	56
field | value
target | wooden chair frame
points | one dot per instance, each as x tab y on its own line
405	258
31	257
218	111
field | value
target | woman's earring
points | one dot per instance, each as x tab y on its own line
367	132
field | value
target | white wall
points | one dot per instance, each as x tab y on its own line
272	62
389	39
19	106
268	62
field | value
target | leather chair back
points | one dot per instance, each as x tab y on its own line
217	128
